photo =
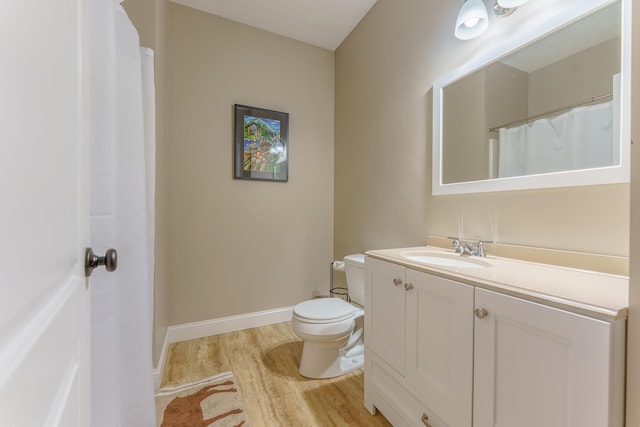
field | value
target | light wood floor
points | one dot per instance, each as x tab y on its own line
265	363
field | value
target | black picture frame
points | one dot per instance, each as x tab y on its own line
260	144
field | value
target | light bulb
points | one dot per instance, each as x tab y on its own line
470	23
472	20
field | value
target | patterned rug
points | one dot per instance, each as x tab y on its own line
214	401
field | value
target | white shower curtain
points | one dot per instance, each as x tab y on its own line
581	138
122	217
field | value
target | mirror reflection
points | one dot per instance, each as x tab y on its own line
551	106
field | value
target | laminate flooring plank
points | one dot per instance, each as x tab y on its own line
265	363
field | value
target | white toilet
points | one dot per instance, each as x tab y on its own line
333	329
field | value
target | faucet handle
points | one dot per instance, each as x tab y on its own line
456	243
480	250
464	248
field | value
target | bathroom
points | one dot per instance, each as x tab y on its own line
360	174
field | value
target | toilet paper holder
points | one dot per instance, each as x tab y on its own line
337	292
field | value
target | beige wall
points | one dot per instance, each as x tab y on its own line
240	246
384	73
579	77
143	15
464	155
507	95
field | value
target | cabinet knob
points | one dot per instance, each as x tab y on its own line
425	420
481	313
397	281
408	286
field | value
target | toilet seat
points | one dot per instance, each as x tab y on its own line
324	310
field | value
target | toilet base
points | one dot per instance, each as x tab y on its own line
329	359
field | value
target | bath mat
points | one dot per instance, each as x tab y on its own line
214	401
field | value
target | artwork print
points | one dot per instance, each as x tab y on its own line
260	144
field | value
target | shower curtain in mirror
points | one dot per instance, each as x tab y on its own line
122	217
578	139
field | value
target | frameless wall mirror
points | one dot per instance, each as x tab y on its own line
550	109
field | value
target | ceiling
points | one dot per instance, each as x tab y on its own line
323	23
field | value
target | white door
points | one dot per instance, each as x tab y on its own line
439	360
44	298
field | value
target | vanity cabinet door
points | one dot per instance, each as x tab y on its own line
385	311
536	365
439	360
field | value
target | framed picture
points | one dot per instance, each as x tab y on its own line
261	144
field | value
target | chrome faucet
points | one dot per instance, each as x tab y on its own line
464	248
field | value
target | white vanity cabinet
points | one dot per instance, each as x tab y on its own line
536	365
419	344
440	353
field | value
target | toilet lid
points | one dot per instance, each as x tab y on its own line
322	310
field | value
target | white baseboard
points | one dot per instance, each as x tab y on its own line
159	370
223	325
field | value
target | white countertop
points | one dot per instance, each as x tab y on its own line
600	295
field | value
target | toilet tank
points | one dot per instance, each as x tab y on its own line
354	270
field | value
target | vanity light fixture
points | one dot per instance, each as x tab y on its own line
502	12
504	8
472	20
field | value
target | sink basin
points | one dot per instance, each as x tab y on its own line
445	260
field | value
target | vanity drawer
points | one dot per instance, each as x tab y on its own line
386	390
